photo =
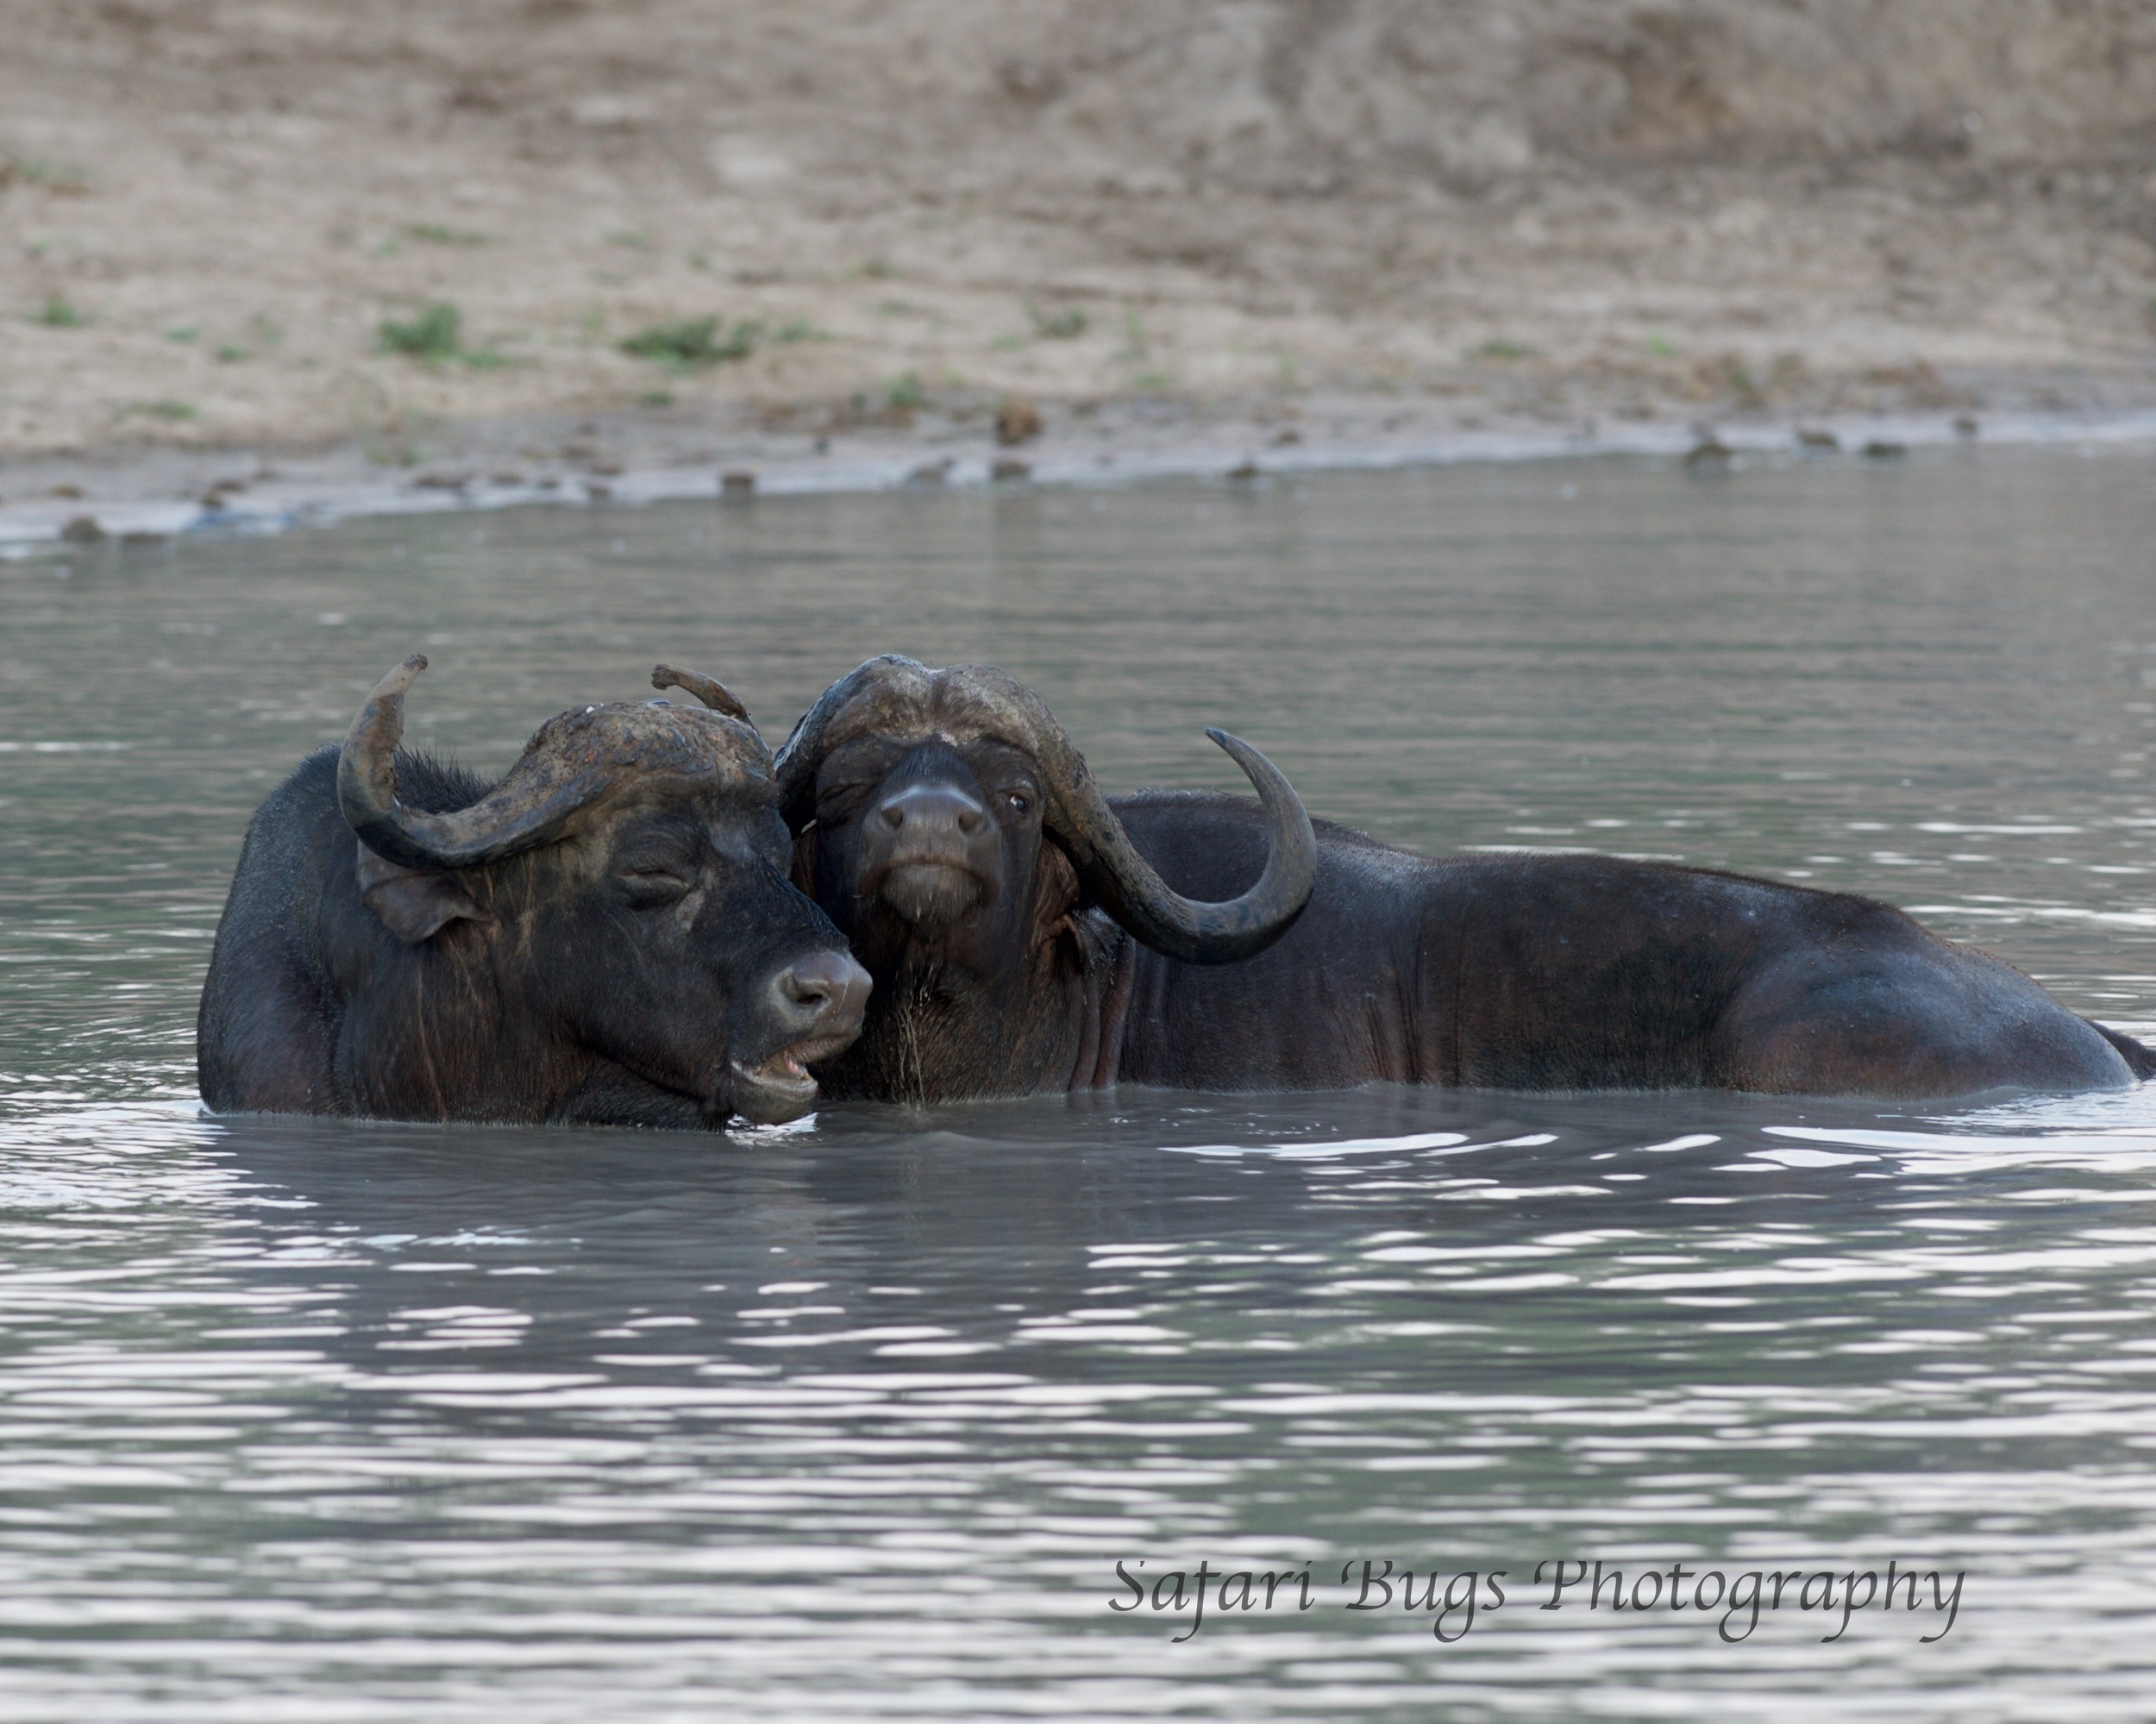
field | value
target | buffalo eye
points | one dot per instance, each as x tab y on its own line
654	888
1021	803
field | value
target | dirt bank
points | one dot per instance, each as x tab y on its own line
1534	210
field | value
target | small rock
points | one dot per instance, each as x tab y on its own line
1965	425
1009	469
606	469
506	479
1244	469
822	445
1810	437
66	491
143	536
83	530
213	500
597	493
737	482
1884	448
441	481
1709	454
1018	421
929	476
1282	439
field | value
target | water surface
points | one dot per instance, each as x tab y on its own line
312	1420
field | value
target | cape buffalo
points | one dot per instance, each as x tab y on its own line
1511	972
605	936
959	840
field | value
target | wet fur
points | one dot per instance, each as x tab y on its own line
1518	972
1531	972
312	1004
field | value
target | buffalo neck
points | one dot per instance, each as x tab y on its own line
938	1030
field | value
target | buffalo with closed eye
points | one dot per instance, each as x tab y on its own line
605	936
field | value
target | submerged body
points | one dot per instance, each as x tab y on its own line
1535	972
1001	969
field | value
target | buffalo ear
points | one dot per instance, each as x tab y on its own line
1061	892
414	904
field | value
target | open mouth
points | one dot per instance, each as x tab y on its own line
779	1087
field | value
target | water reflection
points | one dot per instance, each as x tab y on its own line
309	1418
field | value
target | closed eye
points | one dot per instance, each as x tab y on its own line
652	889
836	804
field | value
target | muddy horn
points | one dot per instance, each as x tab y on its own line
527	808
713	694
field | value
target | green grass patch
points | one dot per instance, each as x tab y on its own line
436	333
173	413
798	329
693	343
1502	348
905	394
264	333
1662	346
182	335
436	336
58	314
434	233
61	177
1065	324
633	239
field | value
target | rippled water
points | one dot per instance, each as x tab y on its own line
317	1420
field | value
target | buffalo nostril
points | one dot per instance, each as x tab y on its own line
823	987
932	811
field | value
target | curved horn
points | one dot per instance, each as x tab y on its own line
803	751
1130	891
526	809
715	695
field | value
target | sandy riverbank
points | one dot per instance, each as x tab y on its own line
1375	220
69	504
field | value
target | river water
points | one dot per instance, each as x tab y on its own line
319	1420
